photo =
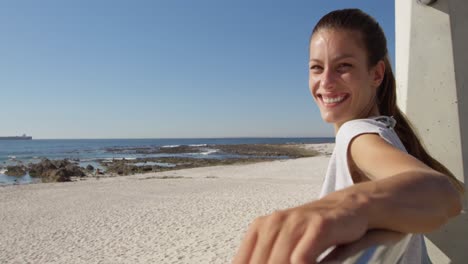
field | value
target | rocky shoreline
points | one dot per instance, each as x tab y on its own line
66	170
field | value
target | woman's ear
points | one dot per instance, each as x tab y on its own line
378	73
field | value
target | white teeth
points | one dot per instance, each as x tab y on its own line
330	100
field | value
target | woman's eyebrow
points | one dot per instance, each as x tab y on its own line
343	56
337	58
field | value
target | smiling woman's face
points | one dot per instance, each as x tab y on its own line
340	80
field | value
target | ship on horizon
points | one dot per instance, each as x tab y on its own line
23	137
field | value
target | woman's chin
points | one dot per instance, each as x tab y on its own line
329	118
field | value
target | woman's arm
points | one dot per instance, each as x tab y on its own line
404	195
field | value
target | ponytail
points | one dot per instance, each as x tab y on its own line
386	97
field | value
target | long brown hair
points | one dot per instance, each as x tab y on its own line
375	43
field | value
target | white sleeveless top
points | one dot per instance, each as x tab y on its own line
339	177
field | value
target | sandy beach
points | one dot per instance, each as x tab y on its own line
194	215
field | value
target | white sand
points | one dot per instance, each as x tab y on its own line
200	218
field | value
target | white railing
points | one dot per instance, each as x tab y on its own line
384	247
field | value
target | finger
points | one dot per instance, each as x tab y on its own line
287	240
246	248
371	238
304	250
314	241
265	242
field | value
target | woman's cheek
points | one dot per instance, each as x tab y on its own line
313	85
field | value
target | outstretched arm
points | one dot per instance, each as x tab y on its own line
404	195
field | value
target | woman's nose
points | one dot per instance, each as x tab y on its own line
328	79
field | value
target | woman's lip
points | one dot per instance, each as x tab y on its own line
333	95
332	104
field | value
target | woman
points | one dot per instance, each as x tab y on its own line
379	176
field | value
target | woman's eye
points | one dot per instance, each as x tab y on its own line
315	67
344	66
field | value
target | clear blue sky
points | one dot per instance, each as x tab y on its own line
157	69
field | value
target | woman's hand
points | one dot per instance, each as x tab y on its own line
301	234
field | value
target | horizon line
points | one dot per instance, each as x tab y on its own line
241	137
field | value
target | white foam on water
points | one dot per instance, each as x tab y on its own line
209	151
87	160
170	146
197	145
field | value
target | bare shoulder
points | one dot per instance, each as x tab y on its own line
378	159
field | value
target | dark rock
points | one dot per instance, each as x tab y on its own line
180	149
241	154
16	171
146	168
264	150
89	168
55	171
74	170
60	175
267	150
42	168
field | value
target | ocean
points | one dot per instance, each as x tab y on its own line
88	151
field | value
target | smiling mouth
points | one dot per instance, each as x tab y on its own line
333	101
